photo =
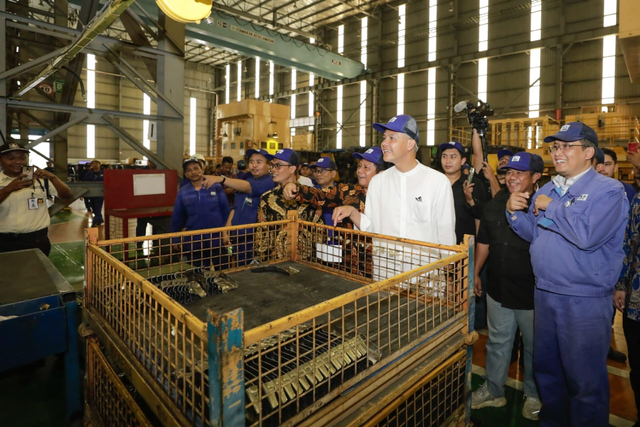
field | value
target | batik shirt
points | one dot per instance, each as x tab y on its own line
630	275
274	207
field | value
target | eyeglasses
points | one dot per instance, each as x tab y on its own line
319	171
278	166
562	147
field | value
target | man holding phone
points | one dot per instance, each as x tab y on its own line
469	194
24	217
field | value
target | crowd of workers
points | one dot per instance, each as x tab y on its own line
556	259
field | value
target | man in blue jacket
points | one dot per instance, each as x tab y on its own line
199	208
575	224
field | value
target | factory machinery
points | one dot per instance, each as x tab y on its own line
289	323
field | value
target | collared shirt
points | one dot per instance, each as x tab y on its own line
200	209
274	207
576	244
245	205
334	196
564	183
466	214
417	205
630	275
509	270
15	215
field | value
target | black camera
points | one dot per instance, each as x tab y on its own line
477	114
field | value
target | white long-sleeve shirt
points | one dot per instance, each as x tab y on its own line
415	205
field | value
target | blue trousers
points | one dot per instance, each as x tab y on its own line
572	337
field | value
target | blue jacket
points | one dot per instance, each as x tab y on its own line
198	210
576	244
245	205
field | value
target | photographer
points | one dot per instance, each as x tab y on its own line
24	217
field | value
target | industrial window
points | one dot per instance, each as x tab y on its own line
227	78
534	82
294	83
192	125
233	145
263	144
482	79
241	145
146	110
608	70
610	12
431	73
257	84
271	80
364	38
483	28
536	20
312	81
402	25
483	44
339	93
91	103
239	87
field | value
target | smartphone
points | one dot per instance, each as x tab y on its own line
27	170
632	147
472	171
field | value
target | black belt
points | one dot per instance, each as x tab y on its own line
37	233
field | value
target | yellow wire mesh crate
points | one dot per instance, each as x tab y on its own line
108	401
272	323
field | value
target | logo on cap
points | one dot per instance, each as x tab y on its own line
515	159
393	119
369	151
13	145
565	128
280	151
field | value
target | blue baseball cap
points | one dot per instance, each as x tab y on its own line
286	155
574	131
402	123
524	161
373	154
324	163
504	152
452	144
260	151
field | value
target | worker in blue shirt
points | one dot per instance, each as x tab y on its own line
575	224
199	208
245	205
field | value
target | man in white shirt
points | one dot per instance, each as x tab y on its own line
409	200
24	217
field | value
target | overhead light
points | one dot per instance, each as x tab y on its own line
275	135
224	135
207	48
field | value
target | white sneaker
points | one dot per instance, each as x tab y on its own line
531	408
482	398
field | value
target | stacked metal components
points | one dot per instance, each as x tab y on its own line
194	284
291	369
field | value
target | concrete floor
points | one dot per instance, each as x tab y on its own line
34	398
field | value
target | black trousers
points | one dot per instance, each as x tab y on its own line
19	241
632	335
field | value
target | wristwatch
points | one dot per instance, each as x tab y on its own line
224	178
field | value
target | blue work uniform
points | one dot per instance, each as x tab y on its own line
245	207
576	254
199	210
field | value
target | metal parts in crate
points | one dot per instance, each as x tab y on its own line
333	344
